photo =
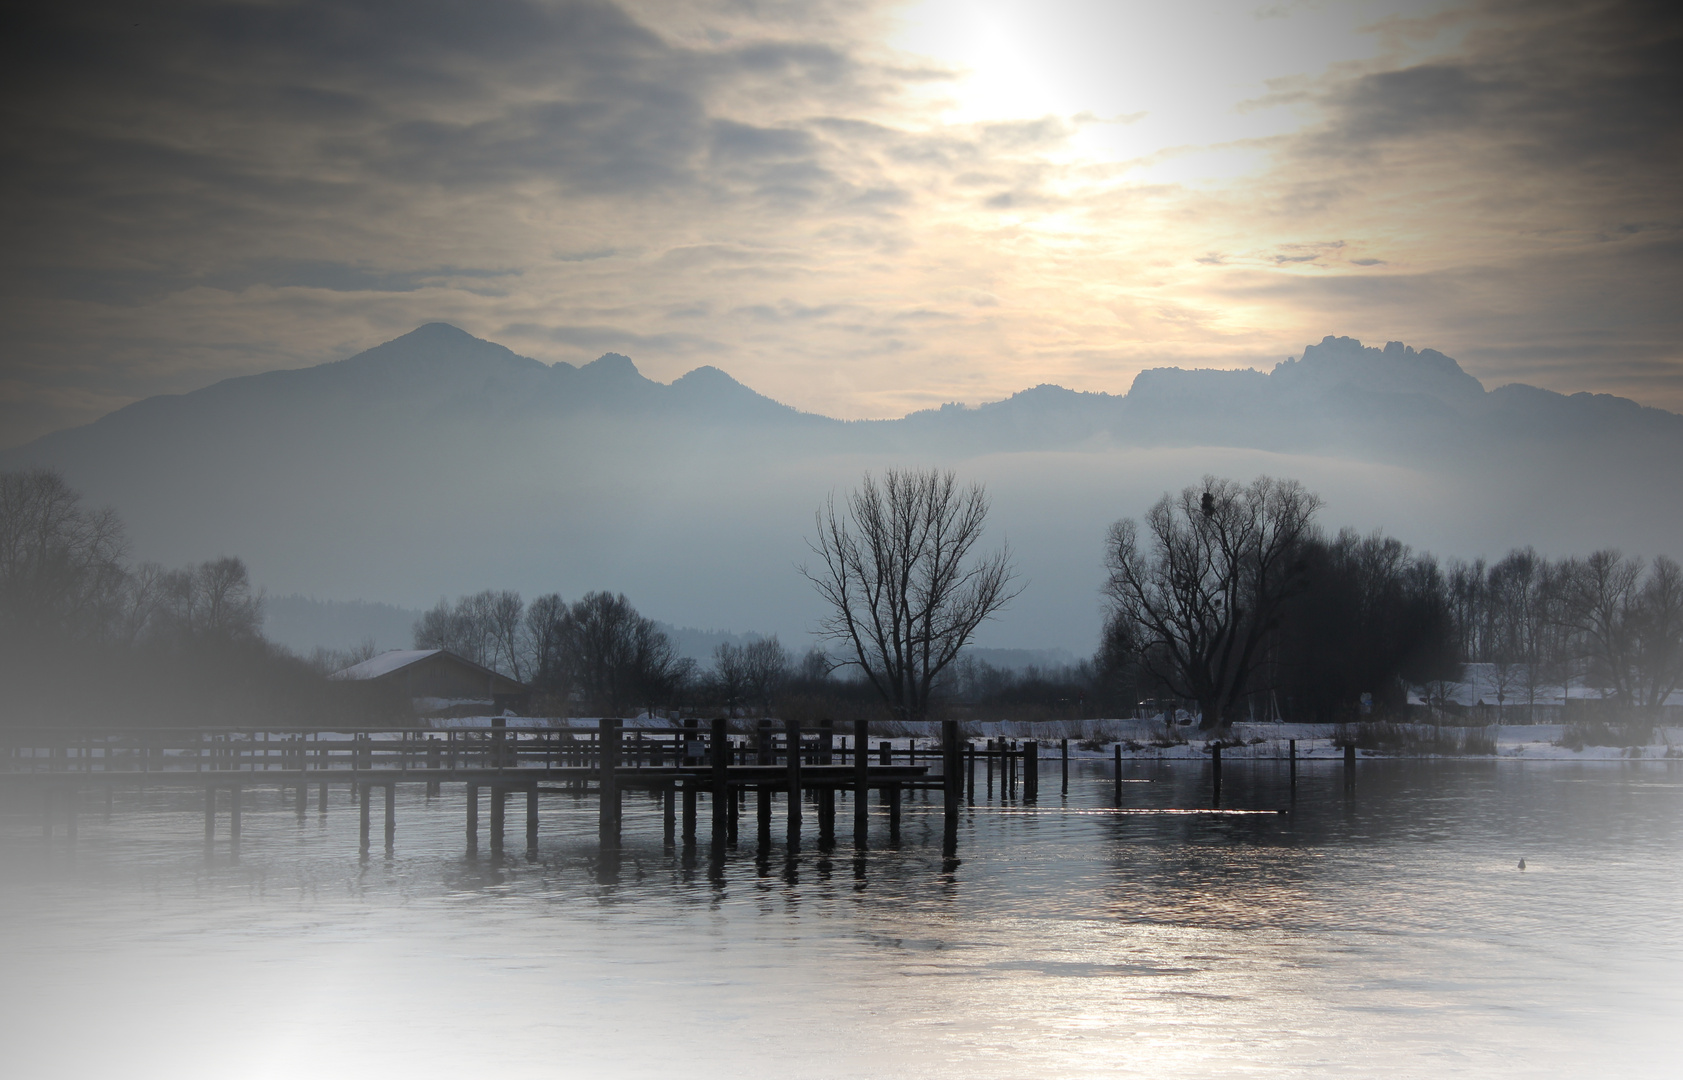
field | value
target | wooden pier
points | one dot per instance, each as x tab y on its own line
680	763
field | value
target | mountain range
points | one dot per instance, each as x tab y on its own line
439	463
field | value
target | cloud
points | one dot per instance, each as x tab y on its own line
228	187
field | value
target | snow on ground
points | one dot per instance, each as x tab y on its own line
1141	738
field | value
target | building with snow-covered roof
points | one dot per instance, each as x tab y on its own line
438	680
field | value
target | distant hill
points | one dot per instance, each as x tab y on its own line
438	463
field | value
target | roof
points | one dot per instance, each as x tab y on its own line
397	659
385	664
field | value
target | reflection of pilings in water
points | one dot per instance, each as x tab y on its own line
607	780
531	820
1215	774
1117	779
719	745
472	818
826	794
861	789
792	756
1292	756
1350	767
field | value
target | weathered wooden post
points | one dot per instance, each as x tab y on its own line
607	780
1215	774
1116	752
1031	771
669	813
990	755
1063	751
952	782
970	773
472	818
435	761
1350	766
1291	754
792	755
391	817
861	781
891	791
499	817
885	753
719	745
827	793
532	821
690	759
766	755
362	816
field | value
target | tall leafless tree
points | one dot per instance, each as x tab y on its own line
1200	599
906	588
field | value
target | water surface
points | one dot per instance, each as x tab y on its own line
1381	932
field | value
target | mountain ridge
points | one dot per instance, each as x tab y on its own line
439	463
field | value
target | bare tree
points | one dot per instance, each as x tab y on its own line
730	677
905	588
1200	603
504	614
61	569
543	633
611	656
767	666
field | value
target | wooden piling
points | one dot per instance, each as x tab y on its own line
472	818
970	774
1117	780
499	808
1063	751
607	780
303	800
892	792
792	737
861	781
826	794
1215	774
391	817
719	745
321	798
668	814
1291	755
531	821
991	749
362	816
1031	772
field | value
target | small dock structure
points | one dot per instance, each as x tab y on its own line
681	764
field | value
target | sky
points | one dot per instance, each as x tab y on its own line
859	209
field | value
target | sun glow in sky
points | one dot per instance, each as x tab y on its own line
858	209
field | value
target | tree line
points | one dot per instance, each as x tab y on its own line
1226	598
87	634
1230	597
598	655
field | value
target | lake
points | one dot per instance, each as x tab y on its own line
1381	931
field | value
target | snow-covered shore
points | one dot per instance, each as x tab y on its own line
1151	740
